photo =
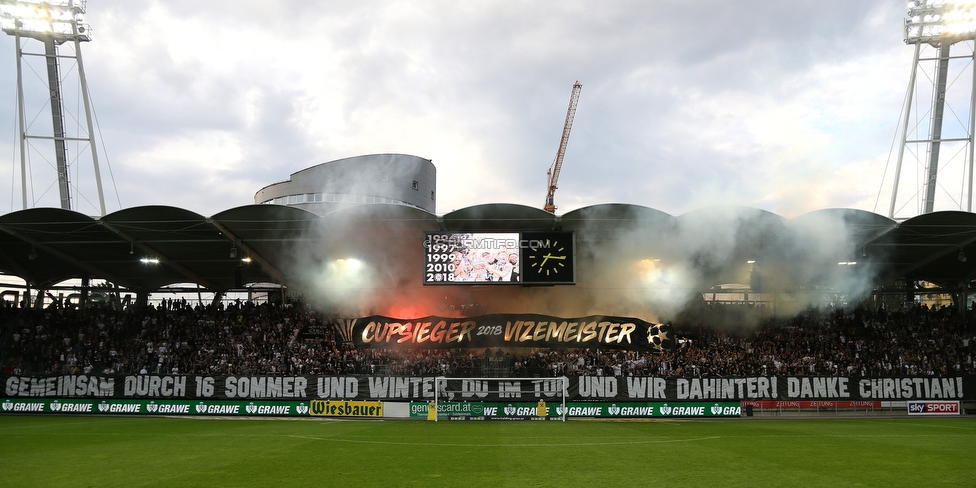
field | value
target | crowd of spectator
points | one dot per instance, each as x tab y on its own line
176	337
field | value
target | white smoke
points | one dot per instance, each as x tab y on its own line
630	261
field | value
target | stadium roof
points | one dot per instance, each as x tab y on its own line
46	246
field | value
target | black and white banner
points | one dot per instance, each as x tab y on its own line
415	388
504	330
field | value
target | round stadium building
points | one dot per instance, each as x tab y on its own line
399	179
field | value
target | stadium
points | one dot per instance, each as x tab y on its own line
340	328
389	288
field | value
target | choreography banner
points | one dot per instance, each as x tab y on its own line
505	330
422	388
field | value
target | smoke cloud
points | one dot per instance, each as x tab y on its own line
630	261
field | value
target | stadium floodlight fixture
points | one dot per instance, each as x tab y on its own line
62	21
53	23
349	264
648	264
940	21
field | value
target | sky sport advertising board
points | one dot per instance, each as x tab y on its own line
499	258
934	408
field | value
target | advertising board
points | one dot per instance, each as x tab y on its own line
934	408
555	411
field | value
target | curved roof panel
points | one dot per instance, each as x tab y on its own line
615	217
188	246
862	225
933	247
498	217
49	245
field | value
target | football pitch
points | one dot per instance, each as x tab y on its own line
157	451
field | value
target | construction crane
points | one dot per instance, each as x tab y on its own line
557	164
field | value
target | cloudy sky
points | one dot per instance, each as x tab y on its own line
785	106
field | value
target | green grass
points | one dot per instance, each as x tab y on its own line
154	451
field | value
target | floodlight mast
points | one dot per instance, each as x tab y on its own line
939	24
53	23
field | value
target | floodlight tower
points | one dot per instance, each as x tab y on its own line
53	23
938	25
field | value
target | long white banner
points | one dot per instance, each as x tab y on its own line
407	388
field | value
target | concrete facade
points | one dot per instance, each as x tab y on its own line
398	179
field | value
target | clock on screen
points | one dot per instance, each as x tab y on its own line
548	257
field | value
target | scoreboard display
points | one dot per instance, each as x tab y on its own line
544	258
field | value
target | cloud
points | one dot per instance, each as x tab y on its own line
788	107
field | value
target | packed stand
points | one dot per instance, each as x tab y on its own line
247	339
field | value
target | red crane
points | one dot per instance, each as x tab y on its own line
557	164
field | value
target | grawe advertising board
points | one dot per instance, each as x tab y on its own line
555	411
153	407
934	408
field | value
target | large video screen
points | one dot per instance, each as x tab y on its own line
499	258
